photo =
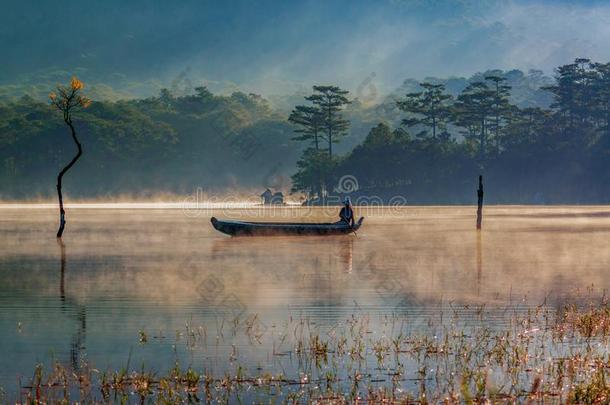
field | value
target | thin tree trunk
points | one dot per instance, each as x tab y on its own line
497	104
482	142
62	212
330	132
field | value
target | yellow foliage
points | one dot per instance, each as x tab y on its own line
68	99
76	84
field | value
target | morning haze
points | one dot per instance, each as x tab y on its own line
378	51
304	202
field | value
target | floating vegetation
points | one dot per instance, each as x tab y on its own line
540	355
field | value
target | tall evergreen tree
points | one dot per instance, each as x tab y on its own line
501	105
473	112
601	90
429	108
573	92
310	122
331	100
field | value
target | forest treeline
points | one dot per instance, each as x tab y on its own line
535	139
146	146
558	154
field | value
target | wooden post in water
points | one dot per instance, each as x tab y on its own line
480	203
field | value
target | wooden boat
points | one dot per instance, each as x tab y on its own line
239	228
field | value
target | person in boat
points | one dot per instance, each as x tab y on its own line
347	213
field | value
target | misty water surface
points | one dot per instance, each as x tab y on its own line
169	274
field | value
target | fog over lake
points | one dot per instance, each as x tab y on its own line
166	272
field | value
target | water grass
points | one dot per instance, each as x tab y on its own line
538	355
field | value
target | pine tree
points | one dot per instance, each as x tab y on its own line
573	92
310	122
501	106
473	111
430	108
331	100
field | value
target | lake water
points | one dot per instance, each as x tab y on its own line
162	274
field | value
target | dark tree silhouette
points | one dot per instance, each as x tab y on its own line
501	105
68	99
601	88
573	93
474	111
331	100
430	108
310	122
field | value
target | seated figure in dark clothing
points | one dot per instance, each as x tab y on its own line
347	213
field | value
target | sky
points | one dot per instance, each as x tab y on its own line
279	46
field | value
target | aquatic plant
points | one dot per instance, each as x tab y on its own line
540	355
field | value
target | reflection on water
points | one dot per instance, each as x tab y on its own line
68	305
479	261
125	271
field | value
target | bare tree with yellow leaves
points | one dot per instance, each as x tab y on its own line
68	99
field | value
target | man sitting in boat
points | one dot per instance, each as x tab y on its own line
347	213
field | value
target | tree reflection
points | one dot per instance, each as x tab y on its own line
75	310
